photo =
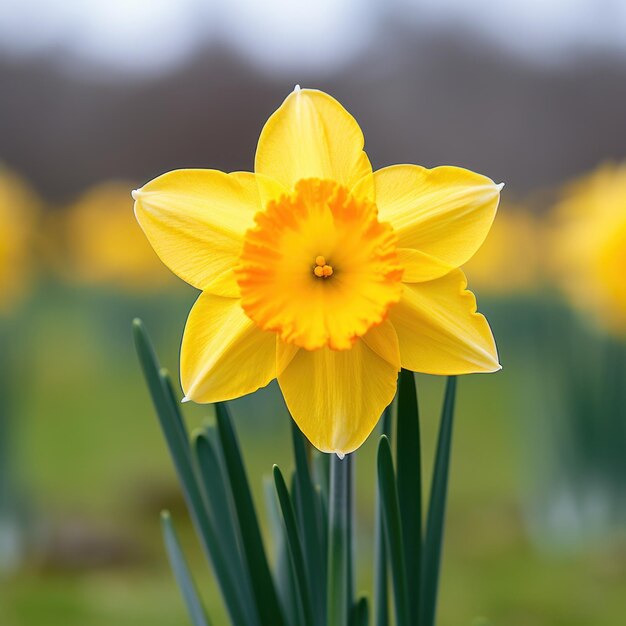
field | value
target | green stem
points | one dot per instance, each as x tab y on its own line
350	531
337	591
381	596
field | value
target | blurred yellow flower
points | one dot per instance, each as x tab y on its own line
590	244
509	260
19	208
321	273
104	244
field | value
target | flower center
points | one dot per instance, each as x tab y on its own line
322	269
284	292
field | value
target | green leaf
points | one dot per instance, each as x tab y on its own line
295	546
360	613
409	478
181	572
284	574
310	527
393	530
437	509
216	486
174	405
338	607
170	421
381	593
269	609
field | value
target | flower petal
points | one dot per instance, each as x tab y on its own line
445	212
439	330
224	355
195	220
337	397
312	136
419	266
383	340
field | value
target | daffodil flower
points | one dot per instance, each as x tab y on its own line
588	245
319	272
20	209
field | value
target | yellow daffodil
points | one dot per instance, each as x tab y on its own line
509	261
321	273
19	207
590	245
103	245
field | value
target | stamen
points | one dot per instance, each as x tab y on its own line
322	269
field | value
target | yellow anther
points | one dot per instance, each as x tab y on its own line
322	269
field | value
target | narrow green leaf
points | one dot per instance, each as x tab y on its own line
310	528
216	489
381	593
181	572
179	451
393	531
216	486
387	421
295	546
409	478
174	405
338	607
268	606
437	509
360	613
283	568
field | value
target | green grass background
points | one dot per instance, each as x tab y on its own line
87	452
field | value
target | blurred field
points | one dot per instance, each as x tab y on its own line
94	474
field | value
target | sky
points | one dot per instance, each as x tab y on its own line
144	37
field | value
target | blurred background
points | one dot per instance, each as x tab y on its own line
96	98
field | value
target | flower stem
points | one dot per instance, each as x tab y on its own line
351	531
338	541
381	598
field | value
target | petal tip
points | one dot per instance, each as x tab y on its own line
493	367
340	455
185	399
297	88
135	193
500	186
